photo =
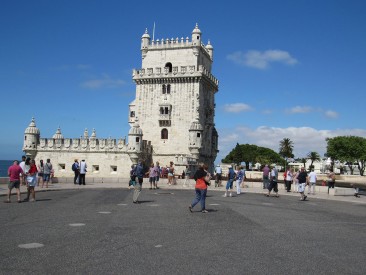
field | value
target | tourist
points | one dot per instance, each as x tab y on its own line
303	179
266	171
288	179
331	180
139	171
240	179
187	174
356	190
296	181
22	165
229	185
158	172
171	174
47	168
218	175
82	172
152	176
273	185
312	182
15	173
202	178
40	172
31	181
76	168
132	182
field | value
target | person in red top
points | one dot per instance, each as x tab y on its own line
202	178
31	181
14	173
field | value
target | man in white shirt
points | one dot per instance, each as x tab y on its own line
218	175
312	182
83	167
22	176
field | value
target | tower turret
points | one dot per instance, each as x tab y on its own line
196	36
135	141
31	139
195	138
145	41
210	49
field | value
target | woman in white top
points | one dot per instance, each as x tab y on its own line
289	178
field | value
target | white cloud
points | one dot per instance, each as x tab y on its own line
299	110
305	139
261	60
237	108
331	114
104	82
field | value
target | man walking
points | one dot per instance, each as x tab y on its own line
274	182
82	172
47	168
229	184
266	176
312	182
76	169
139	172
14	173
218	175
303	180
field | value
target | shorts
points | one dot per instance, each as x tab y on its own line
170	174
40	175
312	183
229	184
301	187
46	177
152	179
14	184
140	180
273	185
157	178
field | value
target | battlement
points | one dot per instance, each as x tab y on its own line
174	43
182	71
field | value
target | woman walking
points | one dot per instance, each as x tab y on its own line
31	181
202	178
40	172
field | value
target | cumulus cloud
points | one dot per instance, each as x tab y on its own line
237	108
299	110
261	60
331	114
305	139
103	82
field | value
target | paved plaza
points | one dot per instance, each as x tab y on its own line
100	231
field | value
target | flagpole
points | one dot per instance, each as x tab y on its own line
154	32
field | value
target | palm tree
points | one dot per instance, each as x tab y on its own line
286	147
313	156
303	161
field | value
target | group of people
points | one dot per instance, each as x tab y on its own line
28	173
80	170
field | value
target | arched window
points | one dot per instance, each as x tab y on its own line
170	66
137	139
168	89
164	134
164	89
132	114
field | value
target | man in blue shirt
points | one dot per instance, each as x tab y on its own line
139	172
229	185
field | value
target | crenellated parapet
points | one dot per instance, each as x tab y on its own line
177	74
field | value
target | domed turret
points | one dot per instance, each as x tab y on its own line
195	138
86	133
196	36
145	41
210	49
93	135
135	129
134	141
31	138
58	134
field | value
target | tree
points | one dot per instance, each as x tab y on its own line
313	156
252	153
303	161
349	149
286	148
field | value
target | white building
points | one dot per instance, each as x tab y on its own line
174	110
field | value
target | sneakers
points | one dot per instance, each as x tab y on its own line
231	195
305	198
225	195
204	211
190	208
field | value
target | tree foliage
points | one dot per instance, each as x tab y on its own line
313	156
349	149
286	148
252	153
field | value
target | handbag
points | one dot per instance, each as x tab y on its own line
30	179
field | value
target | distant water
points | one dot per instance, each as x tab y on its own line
4	165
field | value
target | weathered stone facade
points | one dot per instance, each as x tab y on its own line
174	110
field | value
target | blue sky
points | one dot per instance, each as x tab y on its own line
294	69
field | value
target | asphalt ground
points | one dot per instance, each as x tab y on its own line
100	231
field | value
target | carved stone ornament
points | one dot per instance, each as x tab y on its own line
102	143
93	143
175	70
50	143
75	143
111	143
84	143
191	69
42	142
121	143
149	71
58	143
67	142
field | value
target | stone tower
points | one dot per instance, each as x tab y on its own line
175	99
31	139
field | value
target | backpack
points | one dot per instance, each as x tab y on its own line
73	167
